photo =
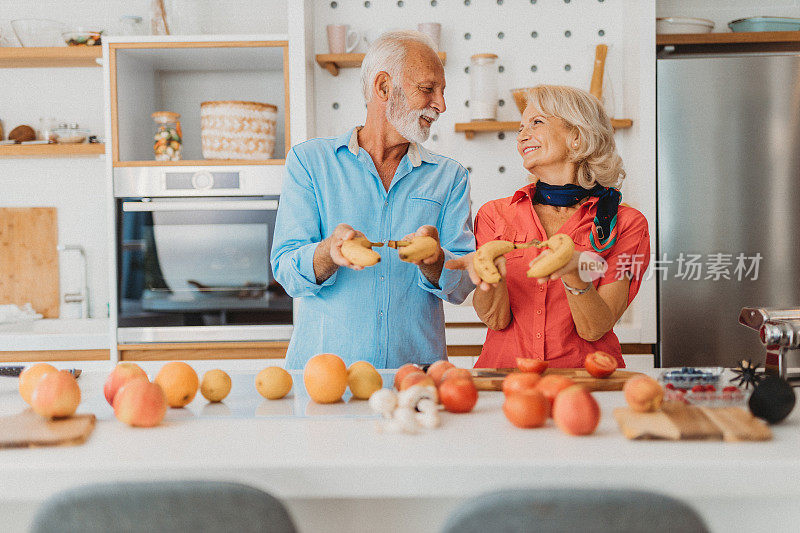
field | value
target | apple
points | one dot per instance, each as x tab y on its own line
140	403
121	374
56	395
575	411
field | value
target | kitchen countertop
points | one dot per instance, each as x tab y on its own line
303	452
56	334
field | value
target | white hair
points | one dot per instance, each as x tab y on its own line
387	54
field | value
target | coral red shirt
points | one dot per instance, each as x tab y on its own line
541	325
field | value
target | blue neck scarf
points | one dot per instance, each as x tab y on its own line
603	235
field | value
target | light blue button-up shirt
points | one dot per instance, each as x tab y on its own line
388	314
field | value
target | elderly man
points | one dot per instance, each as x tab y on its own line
375	181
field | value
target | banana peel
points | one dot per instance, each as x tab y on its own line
359	251
417	249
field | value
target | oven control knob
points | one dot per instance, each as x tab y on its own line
202	180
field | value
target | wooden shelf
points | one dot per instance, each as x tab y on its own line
52	150
486	126
61	56
756	41
200	163
333	62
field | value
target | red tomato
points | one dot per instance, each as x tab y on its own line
526	364
403	371
452	373
600	364
458	395
528	409
551	385
436	370
520	382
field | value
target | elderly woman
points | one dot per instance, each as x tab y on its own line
567	145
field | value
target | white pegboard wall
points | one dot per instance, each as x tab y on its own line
542	41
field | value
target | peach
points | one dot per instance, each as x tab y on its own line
436	370
643	394
402	372
140	403
121	374
575	411
56	395
456	373
30	377
416	378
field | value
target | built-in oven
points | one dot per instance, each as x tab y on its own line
193	256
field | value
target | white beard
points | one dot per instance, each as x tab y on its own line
406	120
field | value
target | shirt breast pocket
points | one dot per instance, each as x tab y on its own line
517	237
426	211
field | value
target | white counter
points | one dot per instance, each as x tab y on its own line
56	334
306	453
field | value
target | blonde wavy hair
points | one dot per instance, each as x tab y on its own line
596	155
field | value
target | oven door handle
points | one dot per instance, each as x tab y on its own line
201	205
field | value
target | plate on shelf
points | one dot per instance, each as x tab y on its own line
683	25
765	24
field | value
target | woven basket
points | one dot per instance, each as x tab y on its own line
237	130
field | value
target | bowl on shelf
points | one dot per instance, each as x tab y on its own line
70	135
765	24
521	97
38	32
82	37
683	25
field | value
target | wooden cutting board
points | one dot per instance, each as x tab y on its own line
29	429
492	379
29	258
679	421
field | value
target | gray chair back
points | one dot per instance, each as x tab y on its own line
573	510
171	506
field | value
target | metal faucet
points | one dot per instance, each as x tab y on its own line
779	331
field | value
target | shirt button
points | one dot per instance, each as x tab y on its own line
381	313
386	202
541	287
381	278
538	311
538	335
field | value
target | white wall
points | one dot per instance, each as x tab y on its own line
76	186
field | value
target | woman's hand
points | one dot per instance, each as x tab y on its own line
570	271
465	263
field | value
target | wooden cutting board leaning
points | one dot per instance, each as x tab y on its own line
492	379
679	421
29	429
29	258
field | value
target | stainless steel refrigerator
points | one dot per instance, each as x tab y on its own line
728	189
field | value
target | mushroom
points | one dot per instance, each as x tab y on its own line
406	418
428	419
383	401
412	396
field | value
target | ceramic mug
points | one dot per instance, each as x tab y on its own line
339	39
432	30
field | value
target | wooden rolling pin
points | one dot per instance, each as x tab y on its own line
596	87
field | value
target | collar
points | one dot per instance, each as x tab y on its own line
530	189
416	152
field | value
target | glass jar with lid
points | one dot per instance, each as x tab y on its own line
168	139
483	87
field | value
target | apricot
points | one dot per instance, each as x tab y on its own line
140	403
363	380
215	386
575	411
402	372
436	370
30	377
643	394
520	382
551	385
273	383
121	374
56	395
325	378
179	382
527	409
417	378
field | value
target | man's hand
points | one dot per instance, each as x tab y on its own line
430	267
341	233
465	263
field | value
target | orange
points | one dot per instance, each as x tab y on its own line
30	378
273	383
325	378
179	382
